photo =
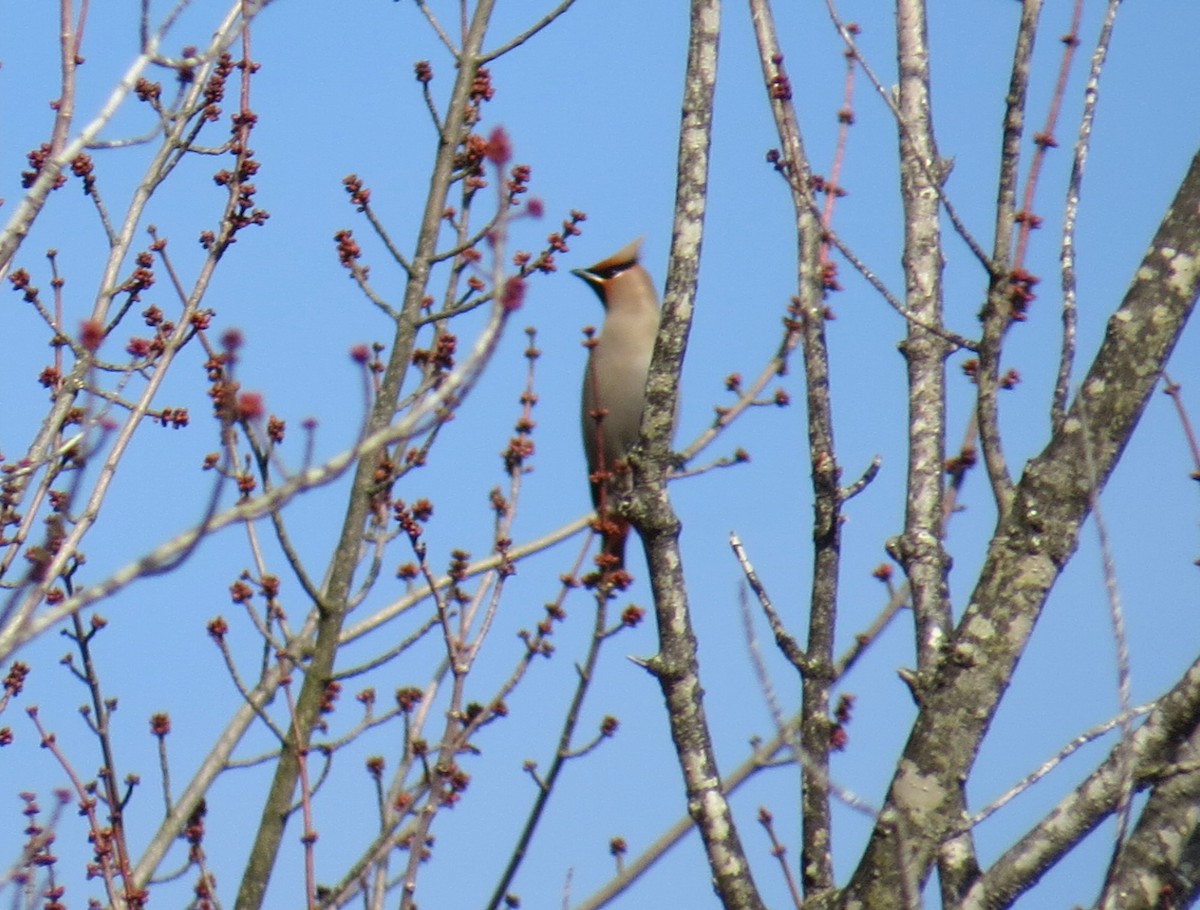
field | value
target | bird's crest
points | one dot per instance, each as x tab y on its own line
618	262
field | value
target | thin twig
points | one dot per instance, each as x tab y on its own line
1172	389
1046	767
787	643
959	341
1126	763
1083	141
528	33
437	28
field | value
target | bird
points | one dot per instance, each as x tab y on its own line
614	382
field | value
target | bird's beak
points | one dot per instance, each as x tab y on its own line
591	280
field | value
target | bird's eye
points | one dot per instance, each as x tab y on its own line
612	271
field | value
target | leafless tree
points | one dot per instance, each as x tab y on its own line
309	625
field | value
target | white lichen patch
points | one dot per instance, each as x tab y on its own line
981	628
715	810
920	794
1183	274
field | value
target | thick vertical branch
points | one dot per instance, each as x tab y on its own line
920	548
815	726
675	666
332	612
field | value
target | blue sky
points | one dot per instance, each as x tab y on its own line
593	106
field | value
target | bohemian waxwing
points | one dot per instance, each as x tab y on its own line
614	385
